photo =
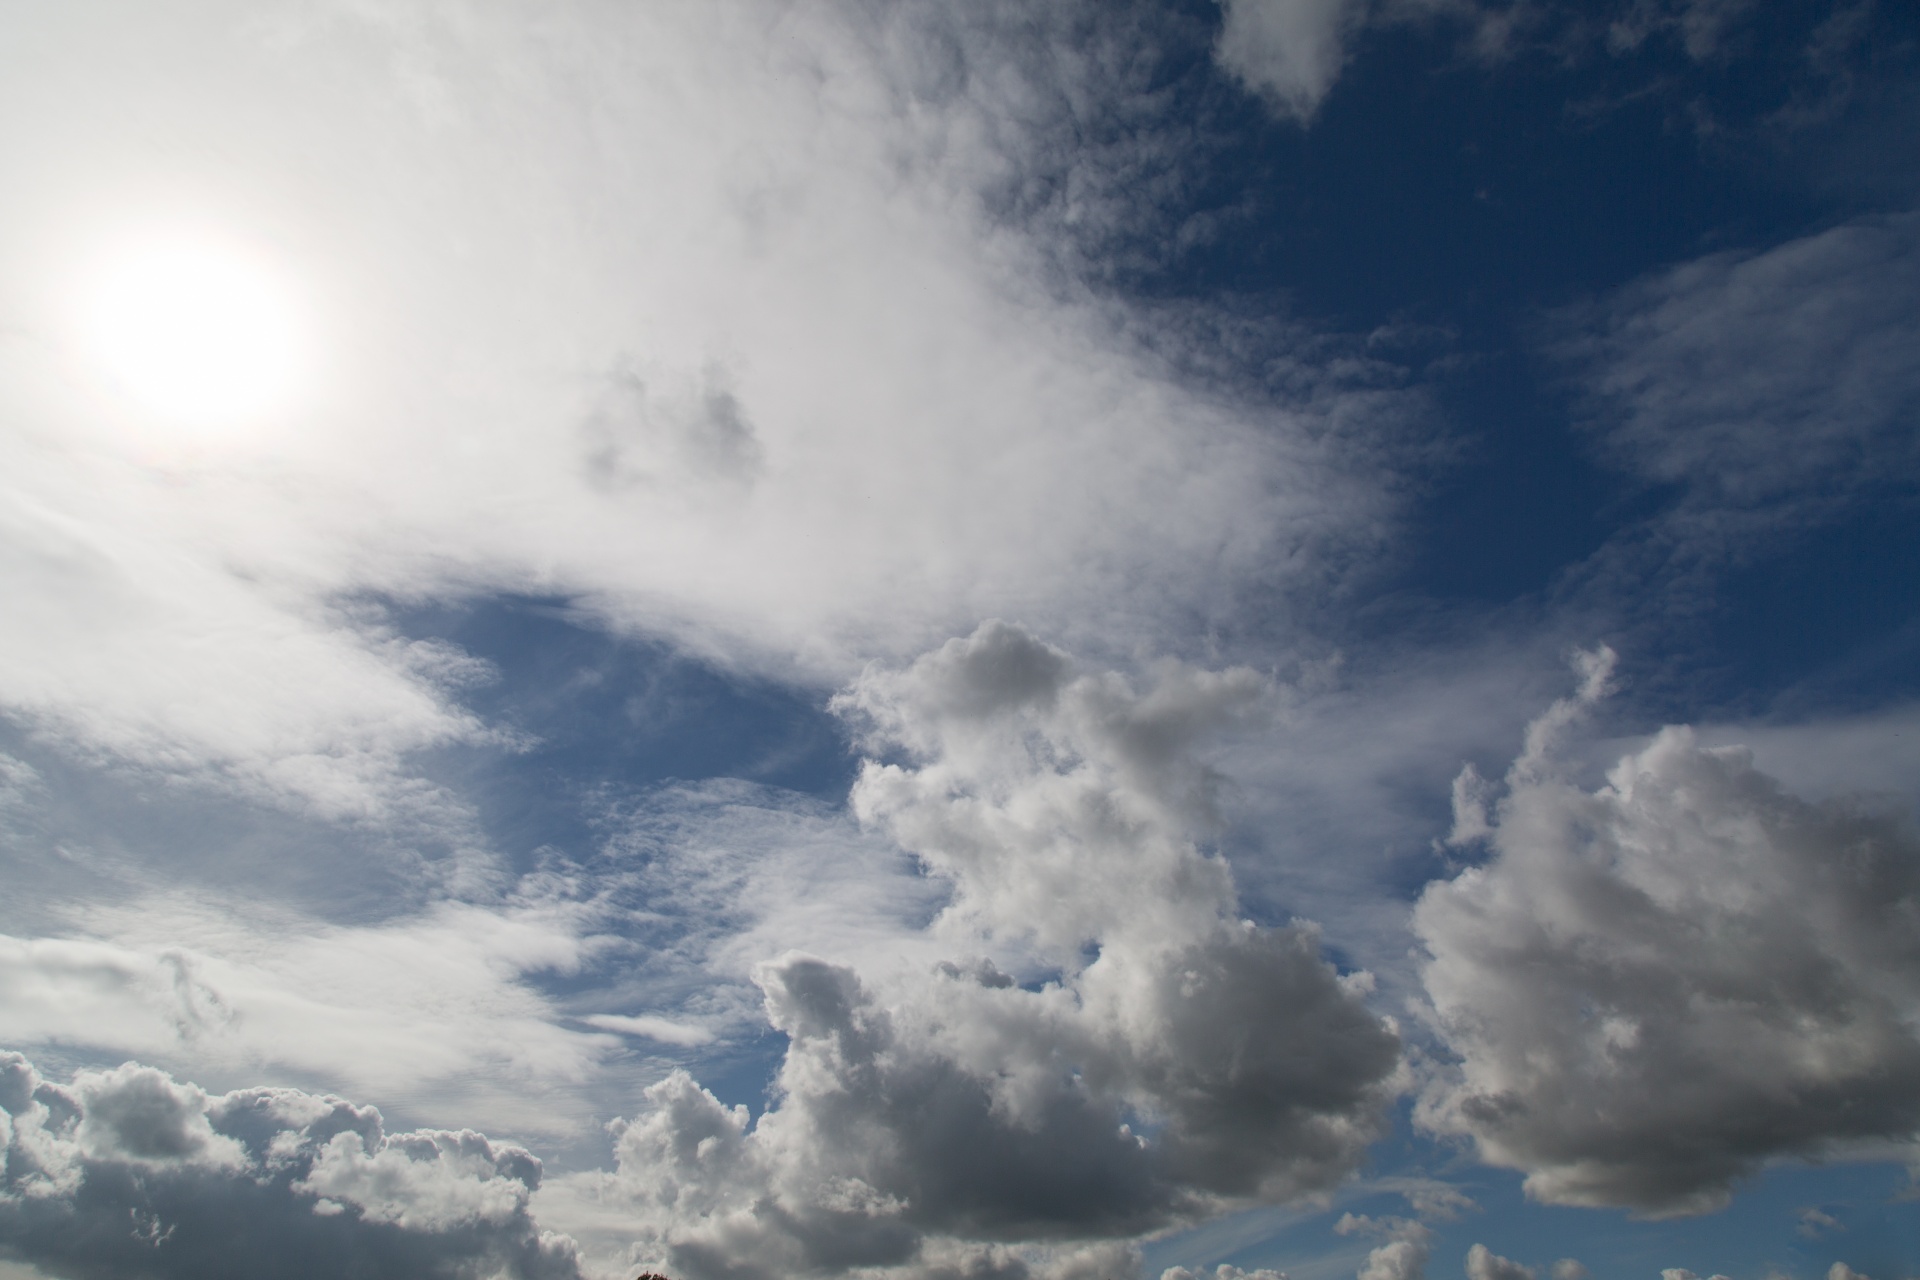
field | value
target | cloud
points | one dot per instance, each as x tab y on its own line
1814	1223
1484	1264
1111	1051
1656	987
1570	1269
1224	1271
441	1007
651	1028
1288	51
129	1171
1404	1256
1768	388
788	380
545	1002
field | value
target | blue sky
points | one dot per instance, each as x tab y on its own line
1017	641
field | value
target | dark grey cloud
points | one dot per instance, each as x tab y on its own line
1112	1049
1657	987
131	1173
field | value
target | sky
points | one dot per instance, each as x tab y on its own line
1023	640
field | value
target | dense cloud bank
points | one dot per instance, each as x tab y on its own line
1143	1056
815	407
129	1172
1655	987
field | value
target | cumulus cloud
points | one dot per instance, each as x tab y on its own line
1484	1264
1655	987
1289	51
1111	1050
1224	1271
1405	1254
131	1172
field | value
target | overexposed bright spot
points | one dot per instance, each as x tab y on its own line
195	333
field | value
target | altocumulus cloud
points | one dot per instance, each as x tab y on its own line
130	1172
1655	987
1142	1058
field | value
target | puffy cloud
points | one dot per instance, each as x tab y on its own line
1116	1052
1570	1269
1655	987
1222	1272
1484	1264
1289	51
1405	1254
129	1172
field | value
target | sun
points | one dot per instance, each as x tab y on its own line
195	333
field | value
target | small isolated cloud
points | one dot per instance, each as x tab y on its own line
1111	1049
1570	1269
1484	1264
1288	51
1841	1271
1655	987
1432	1201
131	1172
1815	1223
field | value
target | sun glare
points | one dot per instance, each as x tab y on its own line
194	333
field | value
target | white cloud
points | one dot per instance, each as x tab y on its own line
1290	51
434	1009
650	1027
694	315
131	1172
1223	1271
1773	387
543	1007
1484	1264
1405	1254
1655	987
